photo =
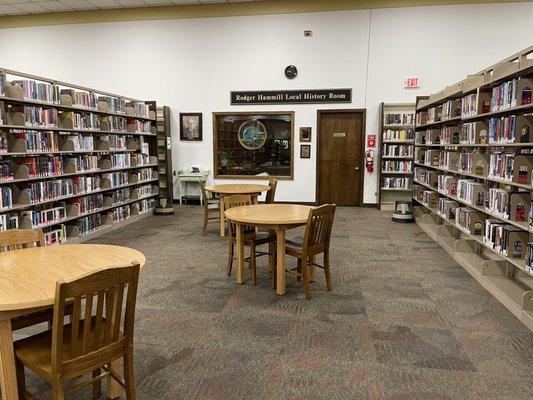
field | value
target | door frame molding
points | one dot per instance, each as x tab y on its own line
362	151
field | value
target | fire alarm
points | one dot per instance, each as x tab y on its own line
308	33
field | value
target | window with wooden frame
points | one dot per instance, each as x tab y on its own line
252	145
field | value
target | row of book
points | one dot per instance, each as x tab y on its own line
472	105
505	239
6	197
87	204
399	118
395	183
451	109
51	93
504	204
398	134
120	196
396	150
395	166
516	92
43	117
49	216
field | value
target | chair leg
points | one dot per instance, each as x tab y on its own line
129	377
206	218
21	379
97	386
299	269
305	276
272	263
230	255
327	271
252	263
57	390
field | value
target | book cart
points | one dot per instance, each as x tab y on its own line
396	153
75	162
472	177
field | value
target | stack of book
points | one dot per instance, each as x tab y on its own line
81	98
116	178
390	183
47	190
38	141
43	166
398	134
41	91
113	104
399	118
83	163
46	217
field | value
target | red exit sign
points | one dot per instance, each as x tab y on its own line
412	82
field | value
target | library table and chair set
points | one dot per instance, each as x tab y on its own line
252	224
84	282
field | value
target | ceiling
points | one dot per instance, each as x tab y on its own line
21	7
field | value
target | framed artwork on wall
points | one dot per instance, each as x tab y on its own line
305	134
191	126
305	151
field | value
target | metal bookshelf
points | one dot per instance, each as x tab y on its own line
508	277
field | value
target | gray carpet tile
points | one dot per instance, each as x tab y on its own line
404	321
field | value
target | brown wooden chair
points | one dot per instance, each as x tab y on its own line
211	207
92	340
316	241
252	238
271	194
14	239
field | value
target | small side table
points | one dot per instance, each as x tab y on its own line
187	179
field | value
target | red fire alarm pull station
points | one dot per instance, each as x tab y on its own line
371	141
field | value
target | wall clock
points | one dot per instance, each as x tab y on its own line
291	72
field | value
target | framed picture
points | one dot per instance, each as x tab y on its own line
305	134
191	126
305	151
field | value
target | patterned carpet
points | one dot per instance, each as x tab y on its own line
404	321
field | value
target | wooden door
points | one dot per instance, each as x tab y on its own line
340	158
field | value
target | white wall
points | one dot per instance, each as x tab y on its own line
192	65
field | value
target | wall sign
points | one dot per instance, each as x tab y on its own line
411	82
371	140
305	96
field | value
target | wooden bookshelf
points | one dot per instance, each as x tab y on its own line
473	160
74	161
395	130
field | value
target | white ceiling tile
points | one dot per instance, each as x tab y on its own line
180	2
16	1
55	5
79	4
6	9
212	1
31	8
105	3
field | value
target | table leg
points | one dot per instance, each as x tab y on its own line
8	376
255	198
114	389
222	219
280	273
239	243
272	263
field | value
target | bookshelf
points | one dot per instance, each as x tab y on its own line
164	161
75	162
473	179
395	153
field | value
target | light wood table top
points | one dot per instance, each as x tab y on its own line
238	188
28	276
270	214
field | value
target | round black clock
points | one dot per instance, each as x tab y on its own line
291	72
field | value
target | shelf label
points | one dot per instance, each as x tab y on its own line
411	82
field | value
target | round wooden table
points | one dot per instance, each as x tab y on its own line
278	217
28	283
225	190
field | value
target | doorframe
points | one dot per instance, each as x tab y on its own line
363	136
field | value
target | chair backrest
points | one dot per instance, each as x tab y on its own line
14	239
318	229
238	200
205	195
271	194
96	301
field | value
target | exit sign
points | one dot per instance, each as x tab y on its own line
412	82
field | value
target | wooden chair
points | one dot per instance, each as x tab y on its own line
271	194
252	238
316	241
211	207
91	341
14	239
